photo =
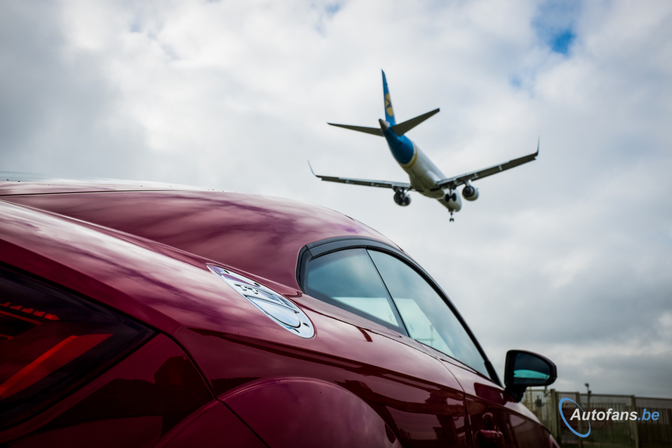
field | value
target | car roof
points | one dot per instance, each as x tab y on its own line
257	234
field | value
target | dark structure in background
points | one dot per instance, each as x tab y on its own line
614	434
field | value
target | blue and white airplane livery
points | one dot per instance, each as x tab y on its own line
424	176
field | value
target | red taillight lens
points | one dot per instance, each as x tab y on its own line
50	341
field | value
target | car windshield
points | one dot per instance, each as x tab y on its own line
388	291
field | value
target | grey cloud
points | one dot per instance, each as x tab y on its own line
58	112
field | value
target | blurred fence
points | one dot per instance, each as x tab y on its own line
605	433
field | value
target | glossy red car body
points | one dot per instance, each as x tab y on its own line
217	372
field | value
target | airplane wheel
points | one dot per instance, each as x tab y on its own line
402	199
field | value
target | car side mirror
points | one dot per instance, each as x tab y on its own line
524	369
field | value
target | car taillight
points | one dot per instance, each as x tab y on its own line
52	340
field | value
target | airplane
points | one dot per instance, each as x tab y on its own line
424	176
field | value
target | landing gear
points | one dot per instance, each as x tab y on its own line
452	202
451	196
402	198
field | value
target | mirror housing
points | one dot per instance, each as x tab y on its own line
524	369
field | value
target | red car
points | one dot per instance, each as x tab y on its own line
144	315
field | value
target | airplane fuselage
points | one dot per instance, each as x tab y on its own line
422	173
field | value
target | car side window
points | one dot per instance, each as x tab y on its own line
386	290
427	317
349	280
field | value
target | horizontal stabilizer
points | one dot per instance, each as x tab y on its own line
374	131
402	128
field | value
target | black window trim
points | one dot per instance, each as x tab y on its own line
324	247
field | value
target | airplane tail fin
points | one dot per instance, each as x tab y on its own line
389	111
399	129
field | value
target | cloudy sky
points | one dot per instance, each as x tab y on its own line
569	256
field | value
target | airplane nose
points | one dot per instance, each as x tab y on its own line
384	125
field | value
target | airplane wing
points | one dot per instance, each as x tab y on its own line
454	182
364	182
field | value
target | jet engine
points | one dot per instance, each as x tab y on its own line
402	198
469	192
